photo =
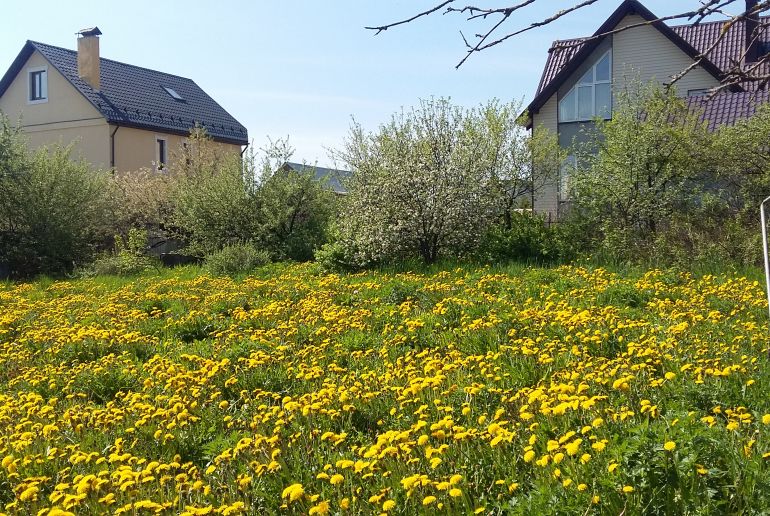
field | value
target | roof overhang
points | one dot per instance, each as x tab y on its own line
626	8
16	66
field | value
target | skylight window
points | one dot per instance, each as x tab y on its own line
173	93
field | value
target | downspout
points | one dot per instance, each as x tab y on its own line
112	148
243	165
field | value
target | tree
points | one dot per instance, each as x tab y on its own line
741	158
214	197
53	210
697	10
295	210
222	200
433	180
643	169
515	155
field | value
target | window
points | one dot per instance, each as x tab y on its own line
697	93
38	85
161	154
173	93
565	171
591	96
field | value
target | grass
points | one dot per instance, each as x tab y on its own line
461	389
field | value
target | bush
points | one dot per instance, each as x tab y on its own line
214	204
53	210
129	259
528	239
335	257
235	259
295	210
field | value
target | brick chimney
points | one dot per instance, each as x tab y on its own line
752	42
88	56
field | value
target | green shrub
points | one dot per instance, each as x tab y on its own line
129	258
295	211
335	257
235	259
527	239
53	212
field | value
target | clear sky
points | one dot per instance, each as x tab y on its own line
302	68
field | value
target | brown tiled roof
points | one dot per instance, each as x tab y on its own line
727	108
559	67
738	102
559	55
727	52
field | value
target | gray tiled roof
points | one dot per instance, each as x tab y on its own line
134	96
334	178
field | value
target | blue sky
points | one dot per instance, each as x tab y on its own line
302	68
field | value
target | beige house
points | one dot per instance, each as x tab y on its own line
581	76
119	116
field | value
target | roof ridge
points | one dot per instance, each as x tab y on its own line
113	61
680	26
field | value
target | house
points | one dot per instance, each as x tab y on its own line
119	116
332	177
581	76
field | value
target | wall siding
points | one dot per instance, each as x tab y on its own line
137	148
643	53
546	200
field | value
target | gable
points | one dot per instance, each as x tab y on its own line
645	54
65	104
565	57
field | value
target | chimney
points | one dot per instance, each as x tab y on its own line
88	56
752	43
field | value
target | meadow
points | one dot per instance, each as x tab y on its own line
519	390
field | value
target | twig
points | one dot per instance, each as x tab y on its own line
419	15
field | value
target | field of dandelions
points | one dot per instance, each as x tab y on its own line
526	391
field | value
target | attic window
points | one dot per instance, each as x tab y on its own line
38	85
591	96
173	93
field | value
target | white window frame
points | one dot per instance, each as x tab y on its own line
567	168
698	92
161	164
44	84
576	117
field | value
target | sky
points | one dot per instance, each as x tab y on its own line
304	69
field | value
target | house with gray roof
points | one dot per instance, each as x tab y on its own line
332	178
582	75
117	115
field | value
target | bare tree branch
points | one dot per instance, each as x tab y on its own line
740	72
382	28
482	46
